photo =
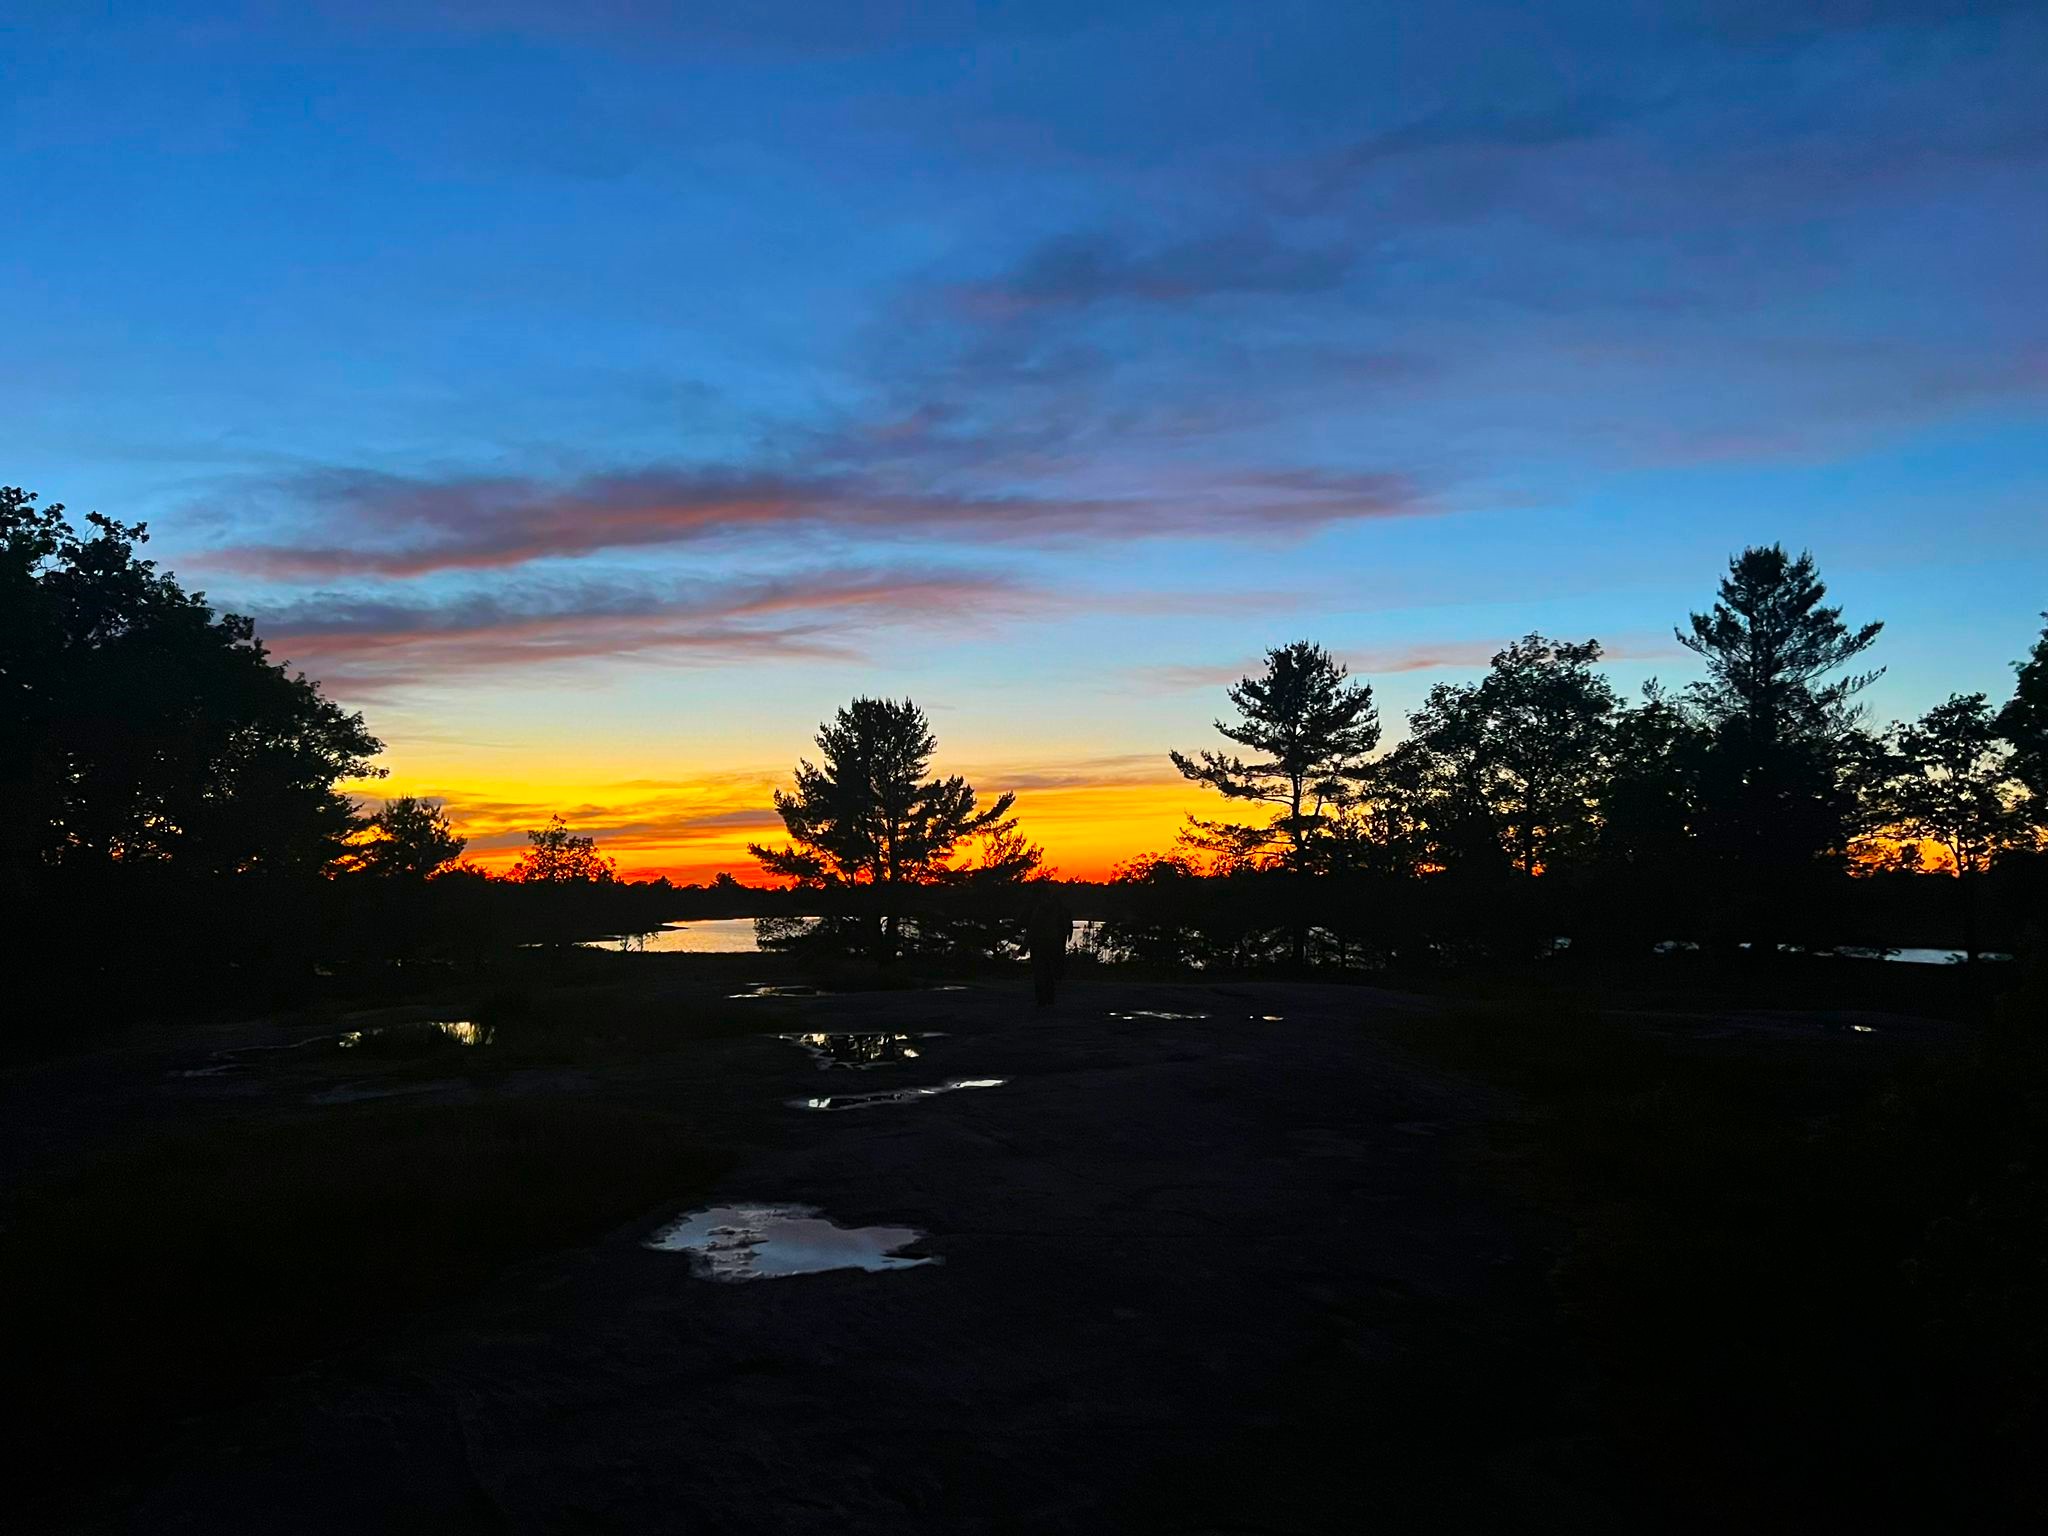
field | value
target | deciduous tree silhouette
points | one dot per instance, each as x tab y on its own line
867	816
1650	804
557	856
408	839
1526	748
2024	723
140	729
1954	784
1312	731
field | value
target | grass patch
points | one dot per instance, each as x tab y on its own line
1816	1287
167	1278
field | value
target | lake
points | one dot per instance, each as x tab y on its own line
711	936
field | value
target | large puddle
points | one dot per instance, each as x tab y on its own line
859	1048
767	1242
893	1095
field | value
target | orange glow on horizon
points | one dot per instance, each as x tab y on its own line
691	830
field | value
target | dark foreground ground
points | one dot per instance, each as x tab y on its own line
1319	1258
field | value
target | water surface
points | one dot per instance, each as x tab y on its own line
769	1242
859	1048
706	936
893	1095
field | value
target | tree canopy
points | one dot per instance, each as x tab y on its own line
1786	766
866	813
408	838
138	726
1524	750
2024	723
557	856
1311	730
1954	783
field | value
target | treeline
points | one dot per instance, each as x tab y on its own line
1532	809
176	804
1755	808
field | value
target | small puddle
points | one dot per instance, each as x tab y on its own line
893	1095
1161	1013
767	989
431	1032
859	1048
767	1242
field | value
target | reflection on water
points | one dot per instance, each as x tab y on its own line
770	989
1910	956
428	1032
867	1048
1156	1013
705	936
766	1242
893	1095
1907	955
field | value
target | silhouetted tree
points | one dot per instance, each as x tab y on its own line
557	856
2024	723
409	838
983	908
1954	784
1649	806
1312	731
140	729
867	816
1525	748
1787	770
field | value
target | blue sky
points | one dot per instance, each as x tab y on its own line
598	394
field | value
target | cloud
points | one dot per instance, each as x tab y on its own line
1444	656
1077	270
379	524
1126	768
366	643
1488	129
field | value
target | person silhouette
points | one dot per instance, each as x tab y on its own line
1048	927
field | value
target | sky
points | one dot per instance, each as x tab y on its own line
598	395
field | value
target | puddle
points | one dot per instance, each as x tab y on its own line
767	1242
1162	1013
765	989
859	1048
431	1032
893	1095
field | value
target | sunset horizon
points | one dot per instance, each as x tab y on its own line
915	767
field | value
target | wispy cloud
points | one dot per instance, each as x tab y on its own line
1445	656
1078	270
364	522
360	643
